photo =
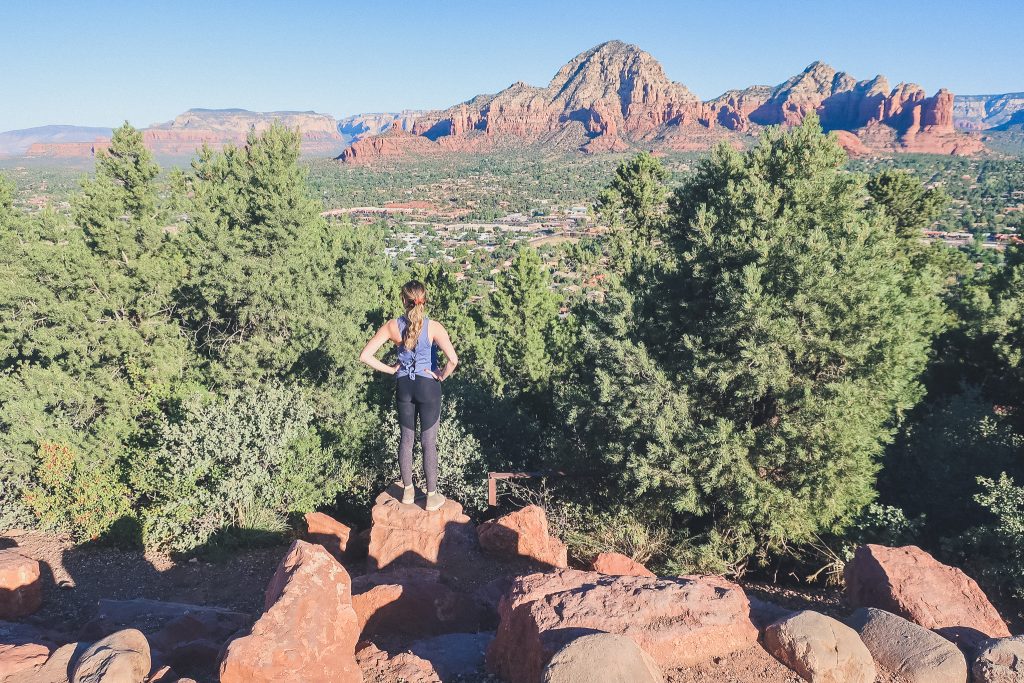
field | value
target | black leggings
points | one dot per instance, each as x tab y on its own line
420	396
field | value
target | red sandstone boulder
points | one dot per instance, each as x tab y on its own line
412	601
23	648
21	658
308	630
911	653
523	533
1000	661
410	535
328	532
21	591
57	668
679	622
911	583
618	564
380	667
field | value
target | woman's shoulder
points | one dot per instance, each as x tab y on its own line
435	328
394	327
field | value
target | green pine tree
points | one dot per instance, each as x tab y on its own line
634	204
905	199
7	212
118	208
522	315
793	325
270	290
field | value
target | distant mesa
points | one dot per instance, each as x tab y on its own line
362	125
988	112
215	128
616	96
16	143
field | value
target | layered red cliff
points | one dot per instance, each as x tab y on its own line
610	98
616	96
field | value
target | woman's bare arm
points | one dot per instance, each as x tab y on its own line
445	343
369	353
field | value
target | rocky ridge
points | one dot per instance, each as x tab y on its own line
534	623
616	95
988	112
17	142
612	97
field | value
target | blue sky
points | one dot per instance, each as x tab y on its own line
99	63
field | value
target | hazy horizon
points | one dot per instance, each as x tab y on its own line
144	64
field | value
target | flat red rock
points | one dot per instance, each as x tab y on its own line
410	535
679	622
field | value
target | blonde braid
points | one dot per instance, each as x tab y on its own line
414	298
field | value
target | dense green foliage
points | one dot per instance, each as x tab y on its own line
240	462
771	362
985	191
785	326
114	324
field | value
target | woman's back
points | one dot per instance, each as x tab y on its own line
421	360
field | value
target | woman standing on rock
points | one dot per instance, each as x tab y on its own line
418	390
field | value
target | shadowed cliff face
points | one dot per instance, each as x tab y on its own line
616	95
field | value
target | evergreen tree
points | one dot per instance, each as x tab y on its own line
634	204
522	315
81	372
904	198
7	212
793	324
1005	326
271	291
118	207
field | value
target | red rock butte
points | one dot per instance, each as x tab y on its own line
616	96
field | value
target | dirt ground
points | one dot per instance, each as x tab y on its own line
76	577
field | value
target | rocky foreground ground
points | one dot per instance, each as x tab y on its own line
428	597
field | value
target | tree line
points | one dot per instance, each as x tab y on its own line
777	364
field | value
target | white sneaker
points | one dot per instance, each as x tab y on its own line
408	495
434	501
